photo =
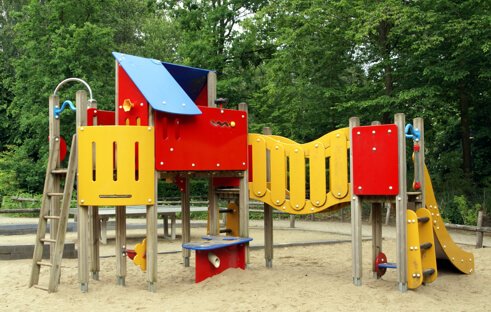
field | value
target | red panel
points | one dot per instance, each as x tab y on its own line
226	182
230	257
202	99
138	115
375	160
104	118
216	140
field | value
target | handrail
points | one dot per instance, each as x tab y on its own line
91	99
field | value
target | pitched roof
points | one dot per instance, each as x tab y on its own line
167	87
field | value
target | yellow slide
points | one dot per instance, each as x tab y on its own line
445	246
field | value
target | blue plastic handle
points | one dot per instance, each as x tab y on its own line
411	132
63	106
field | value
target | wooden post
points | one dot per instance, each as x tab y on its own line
376	233
94	223
419	161
186	220
94	241
212	89
213	215
387	216
479	234
356	225
244	199
401	206
120	245
268	213
376	221
152	243
292	221
83	212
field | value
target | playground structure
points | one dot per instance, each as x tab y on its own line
166	125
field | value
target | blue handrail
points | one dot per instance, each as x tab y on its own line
412	133
63	106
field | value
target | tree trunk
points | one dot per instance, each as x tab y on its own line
465	130
385	49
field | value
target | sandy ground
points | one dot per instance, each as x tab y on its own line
306	278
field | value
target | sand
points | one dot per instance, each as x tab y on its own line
306	278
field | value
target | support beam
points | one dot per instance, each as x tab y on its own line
244	200
186	220
94	241
213	215
120	245
83	265
376	233
268	214
356	225
419	161
401	206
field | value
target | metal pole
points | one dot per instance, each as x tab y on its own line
355	216
401	206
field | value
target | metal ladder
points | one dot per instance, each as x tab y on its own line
49	212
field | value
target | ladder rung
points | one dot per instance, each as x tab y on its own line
41	287
55	194
228	210
423	219
52	217
59	171
228	231
45	263
48	240
426	246
428	272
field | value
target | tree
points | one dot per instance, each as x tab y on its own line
55	40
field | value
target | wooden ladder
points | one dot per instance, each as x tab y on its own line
58	220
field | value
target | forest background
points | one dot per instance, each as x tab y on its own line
303	66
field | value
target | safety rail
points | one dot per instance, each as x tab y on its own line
284	172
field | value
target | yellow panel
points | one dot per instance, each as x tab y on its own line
258	165
317	174
428	256
414	268
461	259
297	177
278	174
116	180
232	219
293	201
338	165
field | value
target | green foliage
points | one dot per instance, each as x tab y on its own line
461	211
304	67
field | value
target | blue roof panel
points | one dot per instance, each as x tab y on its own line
191	79
157	85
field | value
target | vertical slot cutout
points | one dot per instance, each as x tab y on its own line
94	168
137	161
328	174
138	121
115	161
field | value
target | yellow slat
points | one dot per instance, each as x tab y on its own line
259	166
414	268
278	174
317	175
338	165
297	177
